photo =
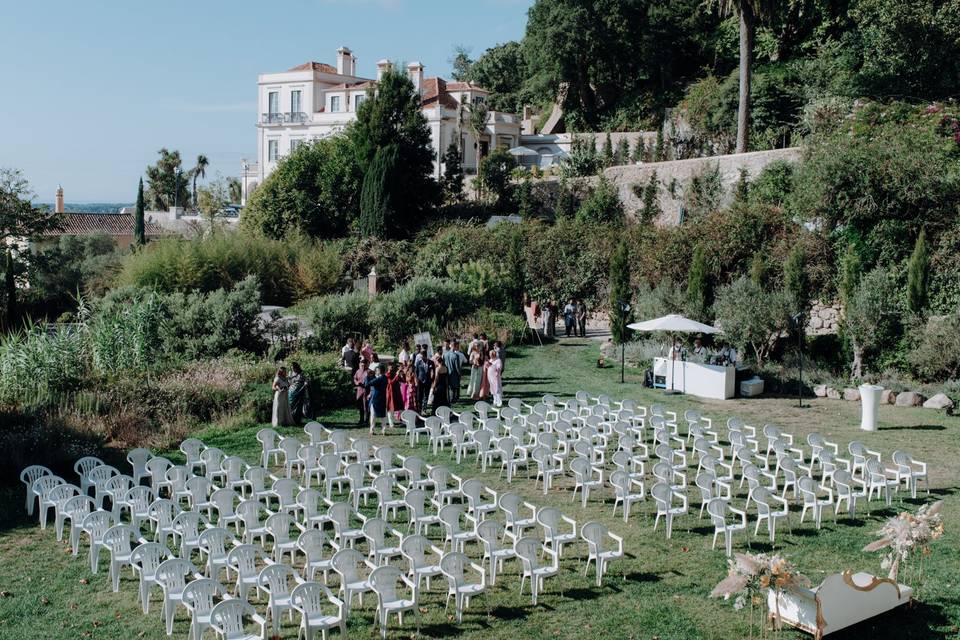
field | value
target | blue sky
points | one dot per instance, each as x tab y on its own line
93	89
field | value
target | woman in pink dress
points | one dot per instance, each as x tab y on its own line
494	371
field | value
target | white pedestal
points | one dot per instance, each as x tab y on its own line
869	406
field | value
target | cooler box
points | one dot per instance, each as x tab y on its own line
752	387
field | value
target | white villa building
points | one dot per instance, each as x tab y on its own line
315	100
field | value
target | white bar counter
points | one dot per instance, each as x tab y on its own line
717	382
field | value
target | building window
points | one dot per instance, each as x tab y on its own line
272	150
294	144
479	100
357	101
273	102
295	101
335	103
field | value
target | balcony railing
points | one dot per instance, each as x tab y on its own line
293	117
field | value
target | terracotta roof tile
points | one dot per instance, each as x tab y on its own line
107	224
314	66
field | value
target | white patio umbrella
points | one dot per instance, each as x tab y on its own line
522	151
673	323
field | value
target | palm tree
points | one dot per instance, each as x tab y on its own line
199	171
750	12
477	124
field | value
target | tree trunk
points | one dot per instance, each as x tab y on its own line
746	56
10	286
856	368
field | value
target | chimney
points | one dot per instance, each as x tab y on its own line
382	67
415	71
58	206
346	64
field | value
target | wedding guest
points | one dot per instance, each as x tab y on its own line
404	356
569	318
440	388
494	371
394	395
451	361
362	394
281	403
350	357
367	352
582	318
423	370
476	371
299	393
376	384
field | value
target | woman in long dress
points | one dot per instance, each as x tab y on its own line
476	371
441	384
281	403
484	390
494	370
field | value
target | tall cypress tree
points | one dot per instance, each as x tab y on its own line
698	285
620	293
918	277
139	224
10	288
376	197
650	210
608	158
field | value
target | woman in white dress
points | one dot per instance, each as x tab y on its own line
281	402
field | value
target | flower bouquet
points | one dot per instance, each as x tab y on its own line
750	576
905	534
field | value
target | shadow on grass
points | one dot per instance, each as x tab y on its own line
916	427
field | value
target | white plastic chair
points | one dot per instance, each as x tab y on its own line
719	511
157	467
83	467
664	496
586	477
845	483
213	545
226	620
41	488
553	522
28	476
376	530
514	509
383	581
311	543
548	467
766	512
234	468
315	431
278	527
809	490
249	512
596	535
137	458
420	520
145	559
275	580
198	599
162	513
308	508
119	541
192	448
212	459
284	491
880	480
529	550
454	567
473	491
347	564
95	525
344	534
489	533
423	559
76	509
224	501
623	492
116	489
242	561
450	516
356	476
268	439
172	577
859	454
58	497
310	599
910	471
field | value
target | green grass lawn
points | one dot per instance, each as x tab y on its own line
659	591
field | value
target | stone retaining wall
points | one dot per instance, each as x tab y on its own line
824	319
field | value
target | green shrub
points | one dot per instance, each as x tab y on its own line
936	355
338	317
331	387
602	205
36	363
498	325
422	303
210	325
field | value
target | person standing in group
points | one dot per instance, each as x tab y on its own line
376	384
476	371
547	320
394	396
440	389
362	393
570	318
582	318
494	380
350	357
501	355
299	394
404	356
409	389
281	403
367	352
423	370
451	361
463	363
